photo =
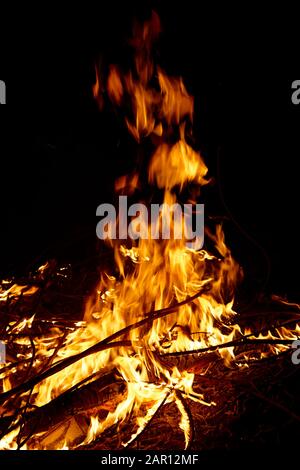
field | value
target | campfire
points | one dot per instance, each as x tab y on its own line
161	350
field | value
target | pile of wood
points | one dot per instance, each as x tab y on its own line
256	401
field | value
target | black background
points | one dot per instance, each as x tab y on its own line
60	155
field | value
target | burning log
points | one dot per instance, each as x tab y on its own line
99	396
194	363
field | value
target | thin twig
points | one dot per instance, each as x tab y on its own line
180	397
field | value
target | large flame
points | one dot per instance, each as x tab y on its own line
152	274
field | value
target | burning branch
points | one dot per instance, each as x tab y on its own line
230	344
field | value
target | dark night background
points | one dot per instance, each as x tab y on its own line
60	155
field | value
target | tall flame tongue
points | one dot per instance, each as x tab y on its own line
162	273
175	298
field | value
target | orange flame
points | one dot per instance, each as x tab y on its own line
154	274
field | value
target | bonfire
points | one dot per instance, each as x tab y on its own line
161	356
